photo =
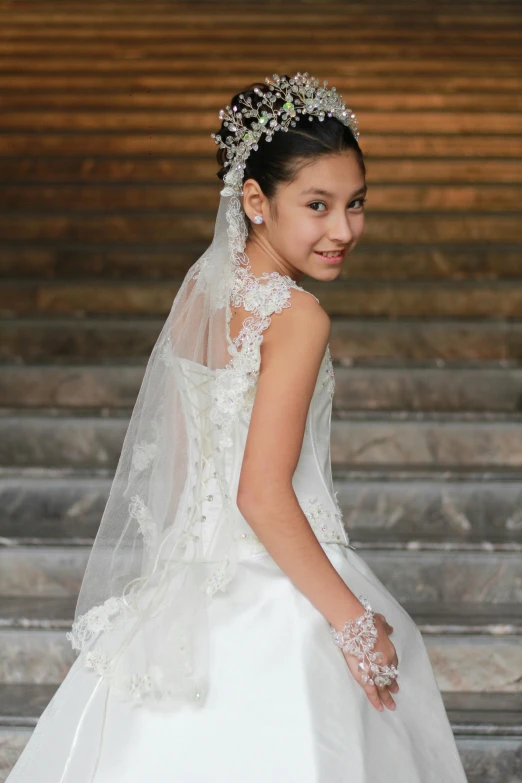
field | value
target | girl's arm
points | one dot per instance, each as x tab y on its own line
291	354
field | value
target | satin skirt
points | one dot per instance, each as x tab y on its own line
282	705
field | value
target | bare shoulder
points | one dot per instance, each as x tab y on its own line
304	323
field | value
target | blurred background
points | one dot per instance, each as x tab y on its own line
108	193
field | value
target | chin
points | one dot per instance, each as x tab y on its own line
331	273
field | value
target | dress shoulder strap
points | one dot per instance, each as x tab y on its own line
261	297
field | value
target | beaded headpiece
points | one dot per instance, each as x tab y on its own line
301	96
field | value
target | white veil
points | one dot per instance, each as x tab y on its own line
141	619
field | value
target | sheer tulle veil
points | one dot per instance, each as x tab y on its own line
141	620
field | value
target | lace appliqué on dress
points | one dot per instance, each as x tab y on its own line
143	454
106	617
99	618
219	579
234	381
138	510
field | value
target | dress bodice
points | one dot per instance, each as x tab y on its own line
234	391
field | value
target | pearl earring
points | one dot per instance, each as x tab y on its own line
258	219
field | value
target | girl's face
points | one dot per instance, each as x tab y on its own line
321	211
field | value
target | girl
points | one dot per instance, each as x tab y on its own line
228	630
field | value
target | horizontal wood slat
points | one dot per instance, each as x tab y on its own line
265	63
185	169
397	300
192	227
324	46
348	84
142	144
187	119
190	197
431	261
201	99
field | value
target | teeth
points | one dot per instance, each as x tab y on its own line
330	255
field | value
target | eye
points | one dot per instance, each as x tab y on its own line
360	201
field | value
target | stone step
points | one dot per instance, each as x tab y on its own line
431	340
426	440
34	647
461	620
57	340
386	144
430	262
66	340
452	510
434	508
357	388
459	662
54	438
487	728
420	576
342	299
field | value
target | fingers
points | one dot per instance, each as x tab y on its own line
379	697
386	697
373	696
388	628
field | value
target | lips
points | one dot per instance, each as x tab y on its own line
332	259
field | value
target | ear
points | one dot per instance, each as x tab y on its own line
254	200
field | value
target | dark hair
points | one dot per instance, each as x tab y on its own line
280	160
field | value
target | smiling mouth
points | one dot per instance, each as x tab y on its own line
332	254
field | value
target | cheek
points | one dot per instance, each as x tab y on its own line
359	227
300	235
309	233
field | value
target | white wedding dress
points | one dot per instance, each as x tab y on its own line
282	705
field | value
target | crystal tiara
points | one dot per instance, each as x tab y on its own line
300	95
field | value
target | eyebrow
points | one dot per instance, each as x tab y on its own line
321	192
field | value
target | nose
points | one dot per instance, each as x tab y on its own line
341	230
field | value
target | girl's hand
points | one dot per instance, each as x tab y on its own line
378	696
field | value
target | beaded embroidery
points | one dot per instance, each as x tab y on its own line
329	379
320	519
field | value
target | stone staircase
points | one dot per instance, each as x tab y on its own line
108	194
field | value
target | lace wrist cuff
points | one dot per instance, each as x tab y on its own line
357	637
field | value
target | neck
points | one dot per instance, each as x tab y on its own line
263	258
